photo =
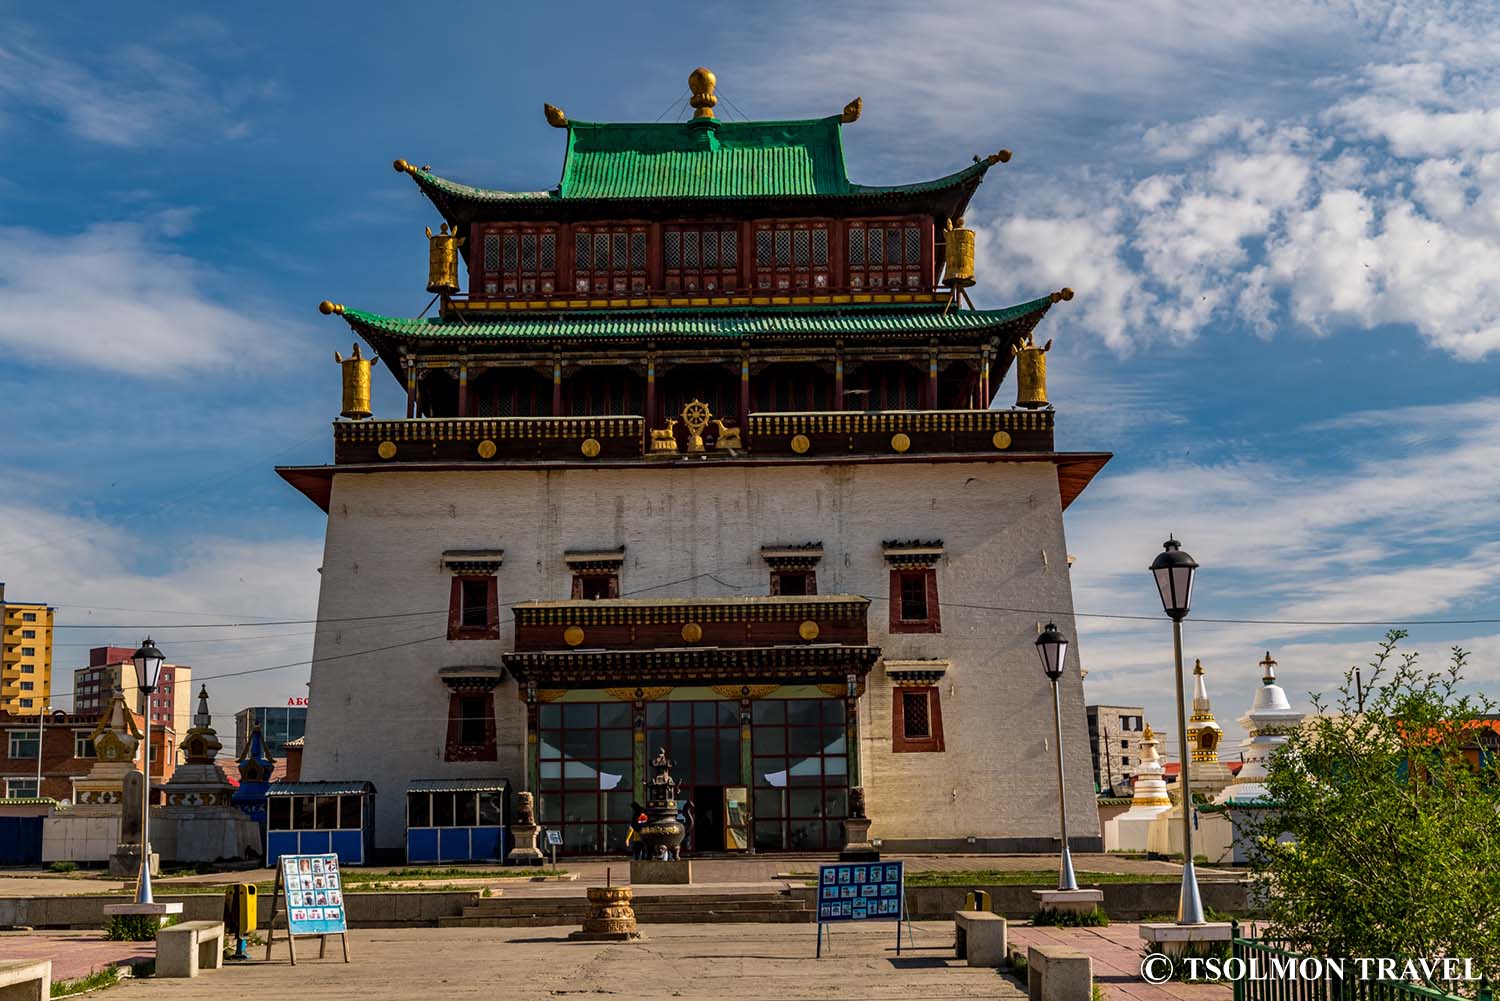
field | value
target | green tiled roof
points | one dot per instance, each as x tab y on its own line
703	158
728	322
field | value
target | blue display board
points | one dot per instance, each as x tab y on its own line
861	891
314	894
870	891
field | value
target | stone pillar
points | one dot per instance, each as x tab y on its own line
533	741
857	847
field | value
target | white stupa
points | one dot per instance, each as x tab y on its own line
1129	831
1268	723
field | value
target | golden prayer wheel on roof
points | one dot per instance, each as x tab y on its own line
442	260
1031	373
958	255
356	384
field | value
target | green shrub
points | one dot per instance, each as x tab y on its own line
63	866
136	927
106	976
1095	918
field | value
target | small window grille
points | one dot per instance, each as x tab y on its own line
510	252
581	245
549	252
672	249
528	252
820	247
763	248
857	247
700	259
916	718
801	246
783	248
637	251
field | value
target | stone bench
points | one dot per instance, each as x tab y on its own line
26	980
184	949
979	937
1058	973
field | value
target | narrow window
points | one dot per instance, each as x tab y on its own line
916	720
914	601
474	608
471	721
794	582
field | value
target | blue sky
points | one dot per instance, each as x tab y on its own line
1283	224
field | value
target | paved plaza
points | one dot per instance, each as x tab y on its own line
675	961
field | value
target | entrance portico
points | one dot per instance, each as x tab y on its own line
754	698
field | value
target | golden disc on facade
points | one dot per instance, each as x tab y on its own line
386	450
800	443
486	449
573	635
692	632
590	447
900	442
1001	439
808	630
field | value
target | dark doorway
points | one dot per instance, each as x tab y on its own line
708	818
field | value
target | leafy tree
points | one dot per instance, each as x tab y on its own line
1385	838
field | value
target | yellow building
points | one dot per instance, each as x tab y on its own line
25	655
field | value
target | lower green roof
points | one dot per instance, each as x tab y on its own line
729	322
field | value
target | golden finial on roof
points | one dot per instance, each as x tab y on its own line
1001	157
328	308
1063	294
702	82
555	116
402	167
852	110
1148	734
1197	666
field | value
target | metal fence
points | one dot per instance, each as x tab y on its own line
1283	975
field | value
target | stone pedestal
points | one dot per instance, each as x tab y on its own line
647	872
611	918
1068	901
126	861
524	851
1177	940
857	847
158	909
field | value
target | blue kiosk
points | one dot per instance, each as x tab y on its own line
457	820
312	818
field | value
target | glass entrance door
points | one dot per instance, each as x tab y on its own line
801	774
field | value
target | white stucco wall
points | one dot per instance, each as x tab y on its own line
382	715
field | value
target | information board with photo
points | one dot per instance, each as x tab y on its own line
314	895
860	891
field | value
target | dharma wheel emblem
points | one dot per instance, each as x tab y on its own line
695	417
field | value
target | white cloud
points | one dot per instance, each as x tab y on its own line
1404	535
104	573
127	96
115	297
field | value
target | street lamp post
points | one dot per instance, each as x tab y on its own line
1174	571
1052	648
148	660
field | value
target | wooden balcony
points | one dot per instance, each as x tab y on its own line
671	623
813	436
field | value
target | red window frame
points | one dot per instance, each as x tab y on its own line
517	260
899	623
610	259
456	748
792	256
901	742
896	259
458	629
808	578
595	585
703	257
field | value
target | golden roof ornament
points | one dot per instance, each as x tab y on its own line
958	255
442	260
555	116
356	384
852	110
1031	373
116	738
702	82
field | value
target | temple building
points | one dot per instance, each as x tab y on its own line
702	456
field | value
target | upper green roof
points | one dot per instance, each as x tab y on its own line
722	322
702	158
